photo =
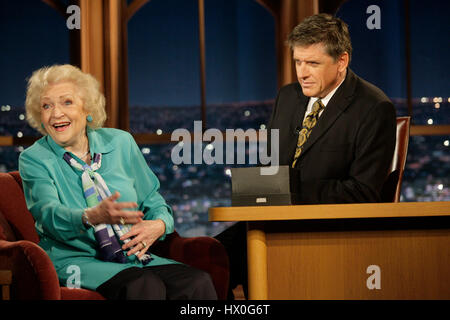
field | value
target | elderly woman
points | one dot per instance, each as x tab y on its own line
94	198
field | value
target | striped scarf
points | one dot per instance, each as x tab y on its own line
95	191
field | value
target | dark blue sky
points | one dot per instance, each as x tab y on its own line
164	55
379	54
32	35
240	51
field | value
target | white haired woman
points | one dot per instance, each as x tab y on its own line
94	198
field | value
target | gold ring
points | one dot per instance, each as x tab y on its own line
143	244
122	221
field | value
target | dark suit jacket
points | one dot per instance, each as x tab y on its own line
348	154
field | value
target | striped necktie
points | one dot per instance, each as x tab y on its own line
307	126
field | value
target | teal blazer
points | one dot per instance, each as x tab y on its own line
54	196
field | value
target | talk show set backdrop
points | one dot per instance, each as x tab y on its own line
241	84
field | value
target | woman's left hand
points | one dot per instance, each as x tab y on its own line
144	232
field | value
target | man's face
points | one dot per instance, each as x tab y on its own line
317	72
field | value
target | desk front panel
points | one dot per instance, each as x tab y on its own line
365	261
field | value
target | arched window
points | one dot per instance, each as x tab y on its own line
241	74
165	87
163	55
33	35
407	57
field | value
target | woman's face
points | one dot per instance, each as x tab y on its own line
63	115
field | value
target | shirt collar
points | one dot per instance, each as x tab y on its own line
57	149
96	144
328	97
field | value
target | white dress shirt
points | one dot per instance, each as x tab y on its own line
325	101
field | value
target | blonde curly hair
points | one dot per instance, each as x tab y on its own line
89	92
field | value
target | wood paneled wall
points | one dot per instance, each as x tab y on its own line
104	54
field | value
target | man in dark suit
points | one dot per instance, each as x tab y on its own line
336	130
347	153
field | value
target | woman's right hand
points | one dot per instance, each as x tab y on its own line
110	212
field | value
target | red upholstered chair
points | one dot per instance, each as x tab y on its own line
33	273
392	187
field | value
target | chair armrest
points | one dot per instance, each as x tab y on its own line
204	253
5	283
33	273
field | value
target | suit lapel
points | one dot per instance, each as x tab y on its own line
338	103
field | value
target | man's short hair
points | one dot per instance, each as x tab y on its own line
322	28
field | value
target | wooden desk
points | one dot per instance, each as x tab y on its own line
333	251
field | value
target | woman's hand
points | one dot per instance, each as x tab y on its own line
144	232
111	212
